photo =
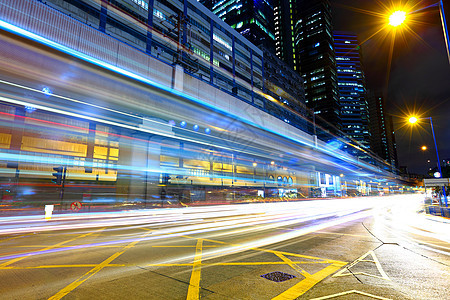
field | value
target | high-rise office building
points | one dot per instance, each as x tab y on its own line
317	63
284	20
381	129
253	19
352	87
257	20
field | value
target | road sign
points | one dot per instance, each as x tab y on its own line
75	206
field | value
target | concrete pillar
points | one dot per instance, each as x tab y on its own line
177	79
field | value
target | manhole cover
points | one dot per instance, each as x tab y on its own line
278	276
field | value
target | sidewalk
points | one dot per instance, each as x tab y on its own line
437	210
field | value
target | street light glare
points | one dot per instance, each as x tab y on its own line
424	148
412	120
397	18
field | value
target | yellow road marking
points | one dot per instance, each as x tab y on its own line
194	283
69	246
292	265
318	259
62	266
93	271
307	283
15	237
204	246
310	279
261	263
50	247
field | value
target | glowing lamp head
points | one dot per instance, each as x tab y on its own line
412	120
397	18
424	148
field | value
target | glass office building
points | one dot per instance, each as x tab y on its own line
352	87
317	63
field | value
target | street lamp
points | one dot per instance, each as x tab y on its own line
413	120
398	17
424	148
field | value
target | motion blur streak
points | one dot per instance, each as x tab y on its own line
410	227
212	221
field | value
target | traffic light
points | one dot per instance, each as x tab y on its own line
58	175
165	178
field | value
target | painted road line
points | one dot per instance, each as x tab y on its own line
261	263
96	246
190	246
292	265
61	266
243	247
307	283
310	279
93	271
351	292
49	248
346	271
194	283
15	237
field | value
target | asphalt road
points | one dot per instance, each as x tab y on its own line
367	248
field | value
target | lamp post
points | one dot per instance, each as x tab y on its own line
444	28
413	120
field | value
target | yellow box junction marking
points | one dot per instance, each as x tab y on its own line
194	283
362	259
310	279
50	247
93	271
16	237
307	283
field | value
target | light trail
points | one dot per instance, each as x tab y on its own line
410	227
212	221
292	137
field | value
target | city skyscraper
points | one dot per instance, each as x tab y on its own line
352	87
381	128
252	19
257	20
284	31
317	63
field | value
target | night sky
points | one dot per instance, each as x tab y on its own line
418	79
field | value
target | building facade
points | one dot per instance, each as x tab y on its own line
382	130
252	19
317	63
285	85
284	20
352	87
